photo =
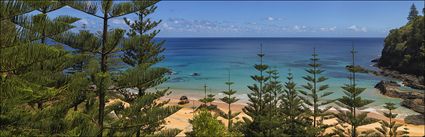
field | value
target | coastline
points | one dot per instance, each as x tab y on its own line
243	99
181	118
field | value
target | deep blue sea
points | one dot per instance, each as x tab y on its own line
213	58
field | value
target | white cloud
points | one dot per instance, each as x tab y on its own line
357	29
188	25
166	26
270	18
300	28
324	29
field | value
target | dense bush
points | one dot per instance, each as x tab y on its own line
205	124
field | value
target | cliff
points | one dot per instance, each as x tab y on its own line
404	48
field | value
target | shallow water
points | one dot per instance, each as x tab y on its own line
212	58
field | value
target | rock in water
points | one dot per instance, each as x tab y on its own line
414	104
411	99
195	74
388	88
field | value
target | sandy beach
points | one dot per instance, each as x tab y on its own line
180	119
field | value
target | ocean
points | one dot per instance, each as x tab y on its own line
214	58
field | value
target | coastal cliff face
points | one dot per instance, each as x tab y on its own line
404	49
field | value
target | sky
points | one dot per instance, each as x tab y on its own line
269	18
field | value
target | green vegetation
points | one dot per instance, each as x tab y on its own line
353	103
404	48
313	98
390	128
296	121
208	98
413	13
256	109
33	71
204	124
228	99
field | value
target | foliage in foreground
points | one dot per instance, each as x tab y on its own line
229	100
351	118
205	124
72	88
314	96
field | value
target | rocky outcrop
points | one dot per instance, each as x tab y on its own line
416	82
413	81
388	88
183	100
391	89
411	99
414	104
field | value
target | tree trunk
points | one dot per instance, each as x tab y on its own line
138	133
40	105
103	67
141	92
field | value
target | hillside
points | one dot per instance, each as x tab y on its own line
404	49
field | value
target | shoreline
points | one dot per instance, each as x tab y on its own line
243	99
409	80
181	118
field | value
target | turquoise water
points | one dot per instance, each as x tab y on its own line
212	58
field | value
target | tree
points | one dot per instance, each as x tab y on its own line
208	98
38	71
255	108
141	52
145	113
204	124
314	95
296	122
205	99
39	29
228	99
390	128
140	48
41	26
353	103
275	87
274	117
32	71
413	13
109	42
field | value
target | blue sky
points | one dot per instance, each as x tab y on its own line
270	18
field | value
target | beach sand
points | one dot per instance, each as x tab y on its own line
181	118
